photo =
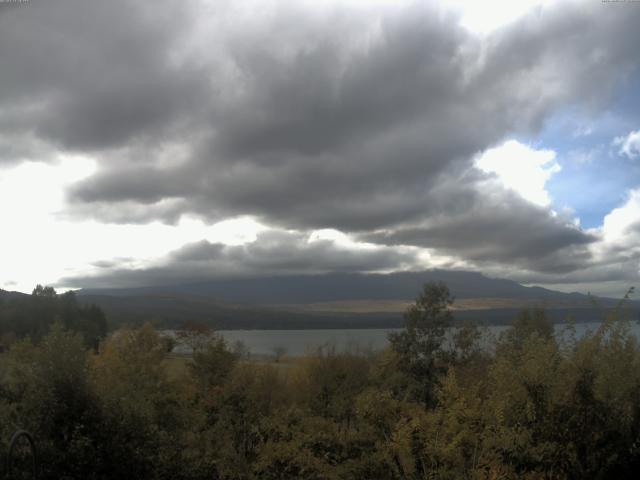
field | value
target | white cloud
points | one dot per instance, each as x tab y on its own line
40	245
486	16
629	145
613	263
521	168
618	224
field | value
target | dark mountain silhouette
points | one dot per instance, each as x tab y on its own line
339	300
347	286
7	295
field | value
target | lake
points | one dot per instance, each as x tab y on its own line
299	342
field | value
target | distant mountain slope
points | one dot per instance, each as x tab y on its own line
170	311
346	286
333	301
329	301
7	295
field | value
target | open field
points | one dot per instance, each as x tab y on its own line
399	306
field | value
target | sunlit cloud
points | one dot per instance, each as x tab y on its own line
521	168
486	16
40	245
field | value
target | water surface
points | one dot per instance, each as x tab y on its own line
299	342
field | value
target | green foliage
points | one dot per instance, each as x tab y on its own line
436	404
212	363
418	349
46	391
529	322
32	316
141	406
327	383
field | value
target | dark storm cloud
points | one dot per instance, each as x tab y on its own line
611	274
273	252
321	97
362	120
93	75
491	224
331	134
292	252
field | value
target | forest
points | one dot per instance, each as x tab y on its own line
438	403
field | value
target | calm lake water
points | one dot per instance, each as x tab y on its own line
299	342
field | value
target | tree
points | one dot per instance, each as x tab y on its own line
212	363
34	315
195	336
419	346
530	321
44	292
48	387
328	382
143	434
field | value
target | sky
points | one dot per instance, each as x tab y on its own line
157	143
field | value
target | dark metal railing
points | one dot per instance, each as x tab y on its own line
17	436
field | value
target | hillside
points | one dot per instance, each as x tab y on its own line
346	287
332	301
7	295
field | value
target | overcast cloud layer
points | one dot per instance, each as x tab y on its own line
272	251
363	119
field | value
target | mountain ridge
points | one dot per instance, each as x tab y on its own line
336	300
342	300
287	289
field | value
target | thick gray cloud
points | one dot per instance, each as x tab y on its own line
489	224
94	75
361	120
272	253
